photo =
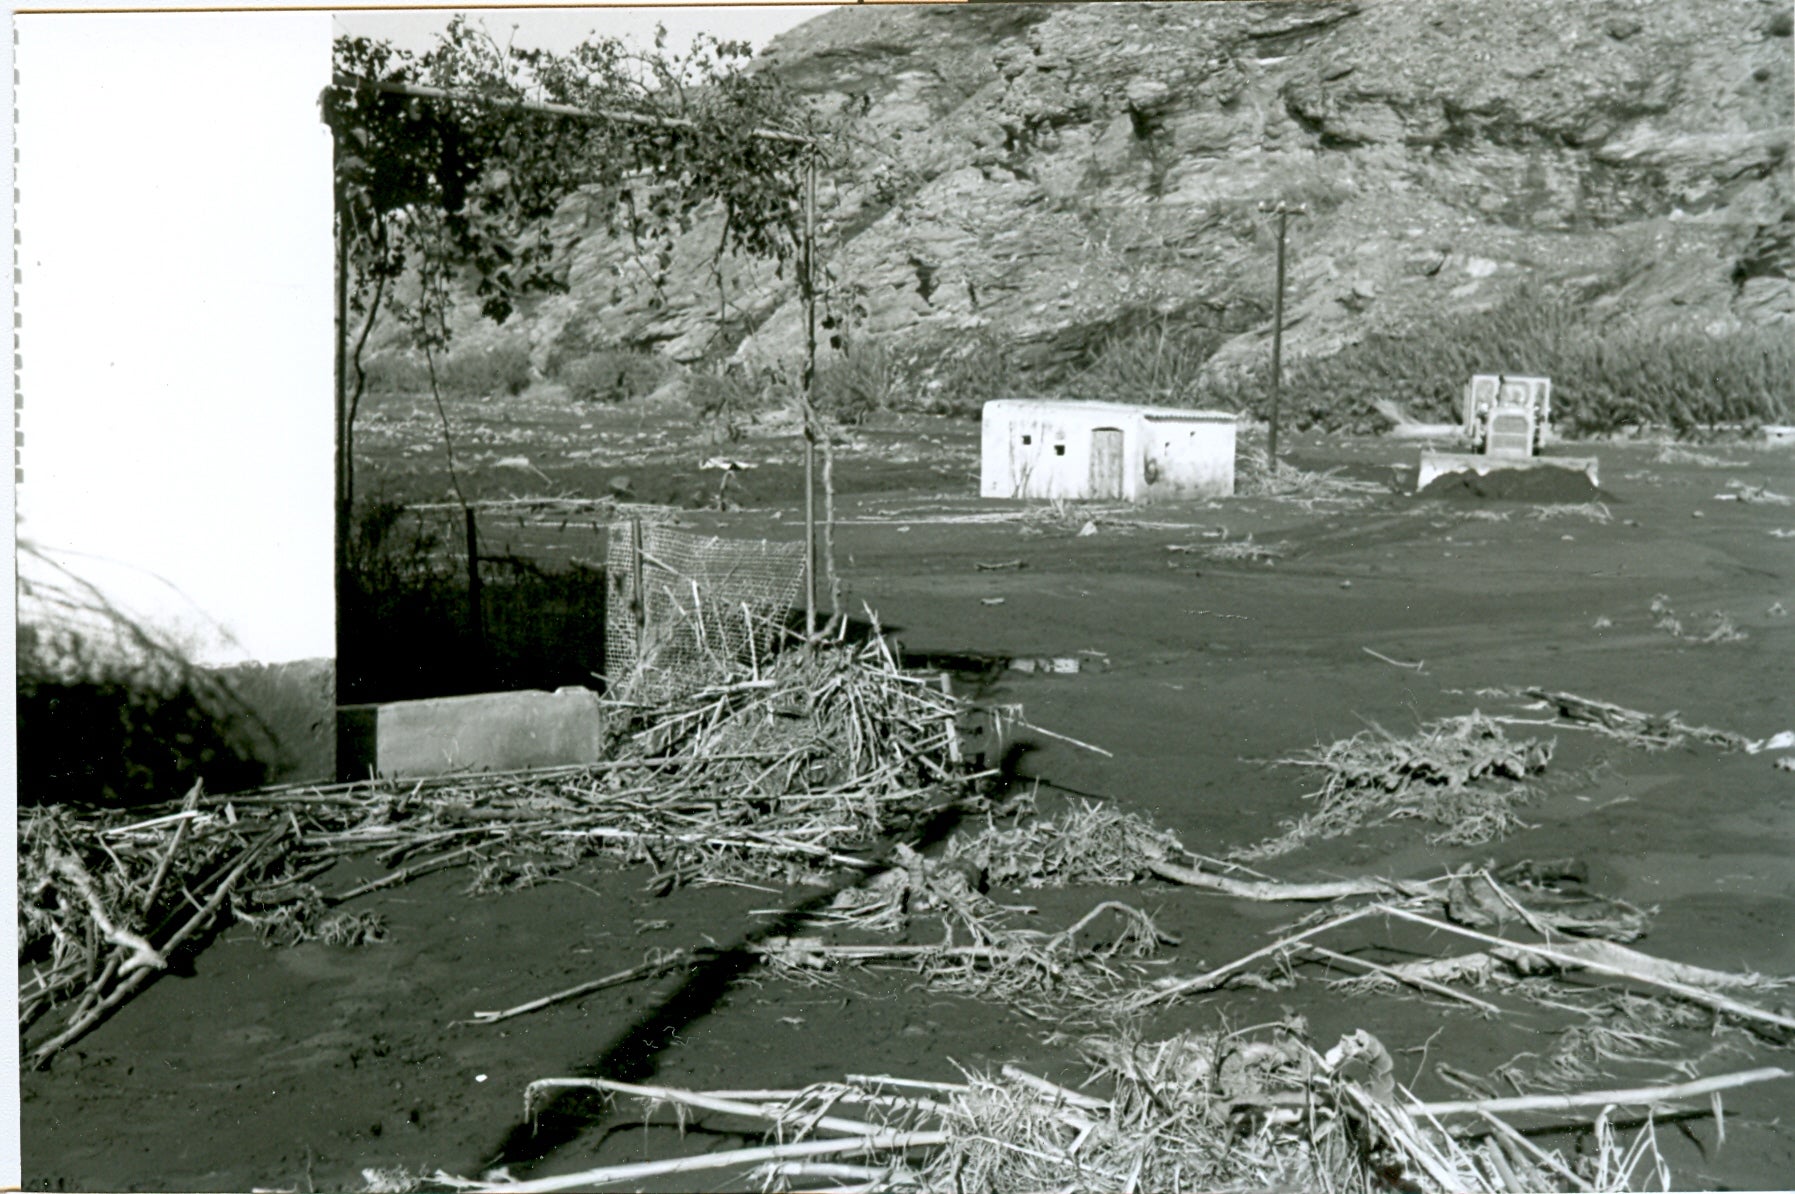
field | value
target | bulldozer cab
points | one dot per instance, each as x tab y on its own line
1507	414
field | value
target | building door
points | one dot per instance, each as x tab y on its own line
1106	464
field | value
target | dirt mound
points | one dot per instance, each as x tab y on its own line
1517	485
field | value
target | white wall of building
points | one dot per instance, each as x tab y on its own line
1042	450
176	313
1190	457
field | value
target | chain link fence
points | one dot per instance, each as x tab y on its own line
684	607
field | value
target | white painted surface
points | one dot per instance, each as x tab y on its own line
1042	449
175	261
1191	457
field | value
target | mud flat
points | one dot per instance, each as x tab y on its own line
1212	678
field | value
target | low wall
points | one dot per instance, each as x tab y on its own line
494	731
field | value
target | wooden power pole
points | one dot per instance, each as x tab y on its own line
1283	211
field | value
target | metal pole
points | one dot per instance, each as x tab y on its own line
1277	339
809	397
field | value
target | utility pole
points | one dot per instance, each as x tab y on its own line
810	396
1283	211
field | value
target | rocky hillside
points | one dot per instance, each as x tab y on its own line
1043	173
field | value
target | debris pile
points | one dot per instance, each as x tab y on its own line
1254	1108
805	764
1260	476
1461	773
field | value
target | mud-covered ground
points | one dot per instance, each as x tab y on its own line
298	1069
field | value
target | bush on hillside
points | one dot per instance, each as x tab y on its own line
612	375
976	372
1602	379
485	371
1160	364
394	373
859	382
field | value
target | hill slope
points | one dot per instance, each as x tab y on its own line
1050	173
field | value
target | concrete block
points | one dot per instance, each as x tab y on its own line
495	731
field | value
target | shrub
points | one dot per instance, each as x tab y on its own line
859	382
480	372
1603	378
726	395
1161	363
105	724
981	370
395	373
612	375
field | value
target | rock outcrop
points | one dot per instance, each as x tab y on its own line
1042	173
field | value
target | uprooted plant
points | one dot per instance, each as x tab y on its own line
1461	773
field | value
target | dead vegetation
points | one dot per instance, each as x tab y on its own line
1596	512
1462	774
1717	626
1222	1109
819	761
1259	476
802	766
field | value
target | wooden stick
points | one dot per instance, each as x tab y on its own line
797	949
1633	1096
879	1142
189	810
410	872
1395	662
1539	1154
346	791
707	1102
702	839
1563	957
1410	979
1221	974
1053	1090
792	1170
907	1083
1597	950
1295	892
344	80
645	970
124	990
1063	738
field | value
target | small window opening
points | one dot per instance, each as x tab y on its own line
1059	449
1028	439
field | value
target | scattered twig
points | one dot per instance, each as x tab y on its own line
1573	956
1417	666
1638	1096
1271	892
650	969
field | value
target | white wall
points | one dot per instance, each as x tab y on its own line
1190	458
175	306
1008	468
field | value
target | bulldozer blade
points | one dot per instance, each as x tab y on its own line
1438	464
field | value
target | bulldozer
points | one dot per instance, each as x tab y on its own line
1506	419
1505	415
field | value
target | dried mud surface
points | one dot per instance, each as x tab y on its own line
297	1069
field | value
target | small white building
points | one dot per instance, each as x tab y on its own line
1104	451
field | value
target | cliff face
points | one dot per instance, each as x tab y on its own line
1046	172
